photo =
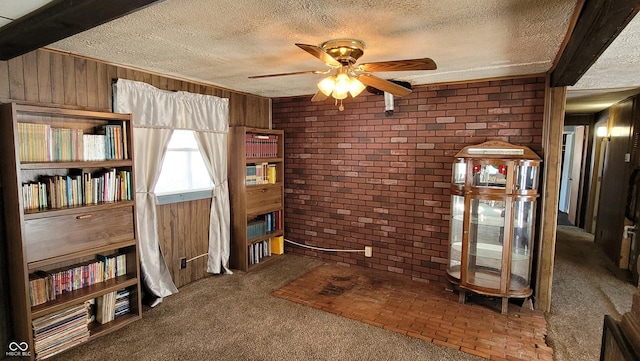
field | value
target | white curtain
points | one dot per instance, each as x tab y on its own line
154	112
213	147
148	164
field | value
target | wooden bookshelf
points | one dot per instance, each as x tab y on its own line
253	194
53	239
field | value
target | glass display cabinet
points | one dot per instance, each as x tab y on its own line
494	189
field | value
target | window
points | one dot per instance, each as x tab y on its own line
183	171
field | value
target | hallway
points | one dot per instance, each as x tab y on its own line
584	291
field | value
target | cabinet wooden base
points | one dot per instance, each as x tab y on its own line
462	295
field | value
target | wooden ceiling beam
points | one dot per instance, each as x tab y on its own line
599	23
59	20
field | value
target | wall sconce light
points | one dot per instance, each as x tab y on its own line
602	132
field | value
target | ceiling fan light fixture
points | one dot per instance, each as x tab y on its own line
342	86
338	94
356	87
341	55
327	85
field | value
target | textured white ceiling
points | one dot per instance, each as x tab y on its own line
224	42
14	9
614	77
619	65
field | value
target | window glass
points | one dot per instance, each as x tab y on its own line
183	169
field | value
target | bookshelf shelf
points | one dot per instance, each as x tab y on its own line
71	298
261	160
260	186
256	184
266	236
36	214
98	330
76	165
67	181
43	263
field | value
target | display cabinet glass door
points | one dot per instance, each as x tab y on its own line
487	175
459	173
526	177
486	236
455	235
523	220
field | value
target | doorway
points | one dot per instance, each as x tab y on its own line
573	138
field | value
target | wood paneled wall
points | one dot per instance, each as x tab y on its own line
184	233
615	180
56	79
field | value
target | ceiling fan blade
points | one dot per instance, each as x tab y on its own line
401	65
283	74
384	85
318	97
319	53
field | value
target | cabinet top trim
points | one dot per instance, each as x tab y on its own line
498	149
260	130
24	108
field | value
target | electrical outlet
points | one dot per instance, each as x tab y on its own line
183	262
368	251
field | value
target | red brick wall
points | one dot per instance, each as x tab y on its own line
358	178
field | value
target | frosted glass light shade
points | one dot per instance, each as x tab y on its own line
326	85
343	85
339	86
356	87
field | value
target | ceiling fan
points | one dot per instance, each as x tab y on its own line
341	56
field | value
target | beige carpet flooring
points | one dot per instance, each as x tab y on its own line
234	317
584	290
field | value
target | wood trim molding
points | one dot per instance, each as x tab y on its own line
59	20
552	147
599	23
567	37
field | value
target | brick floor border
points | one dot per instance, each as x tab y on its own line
423	311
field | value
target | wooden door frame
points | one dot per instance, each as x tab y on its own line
553	125
577	166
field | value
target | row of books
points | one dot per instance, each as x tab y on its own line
261	146
111	305
259	250
263	224
52	192
47	286
273	221
266	248
69	327
256	228
61	330
260	173
43	143
122	306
